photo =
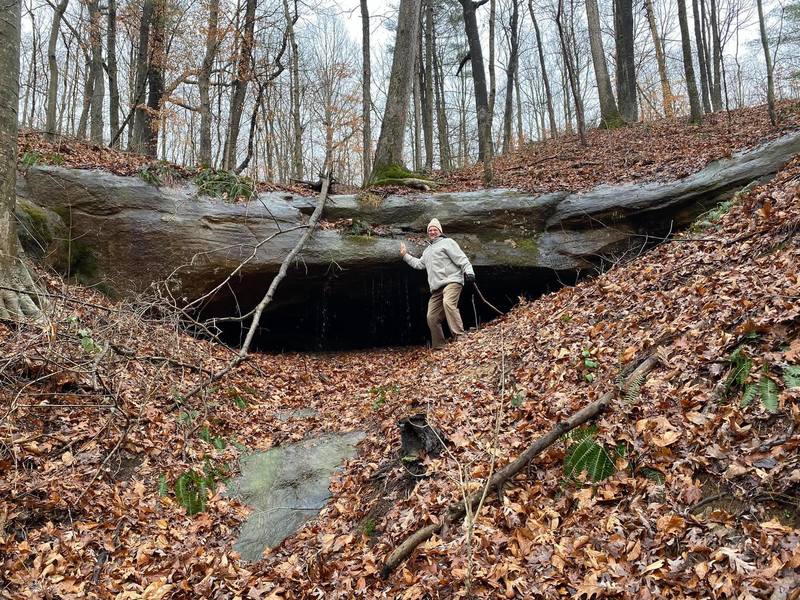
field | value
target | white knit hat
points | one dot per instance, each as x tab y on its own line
435	223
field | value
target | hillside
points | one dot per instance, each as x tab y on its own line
701	498
659	150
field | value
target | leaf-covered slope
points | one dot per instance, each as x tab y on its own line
703	501
705	494
661	150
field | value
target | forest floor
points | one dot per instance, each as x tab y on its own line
657	150
697	468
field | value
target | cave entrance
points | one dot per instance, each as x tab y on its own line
331	310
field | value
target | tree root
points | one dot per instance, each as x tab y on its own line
458	510
20	298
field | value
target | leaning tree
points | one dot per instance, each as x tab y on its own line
17	291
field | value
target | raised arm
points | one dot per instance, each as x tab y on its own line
411	261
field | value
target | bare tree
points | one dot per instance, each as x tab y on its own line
485	151
389	151
111	63
141	119
17	293
513	64
243	76
297	127
204	82
609	113
626	67
768	58
366	94
545	79
52	88
572	75
666	89
688	69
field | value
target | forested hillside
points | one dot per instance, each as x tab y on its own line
188	190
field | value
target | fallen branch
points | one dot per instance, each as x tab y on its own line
259	310
498	480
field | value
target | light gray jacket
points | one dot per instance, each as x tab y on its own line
445	262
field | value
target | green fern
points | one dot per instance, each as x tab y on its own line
769	393
653	475
587	455
791	376
750	393
634	388
741	365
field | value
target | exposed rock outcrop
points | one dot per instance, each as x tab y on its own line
127	233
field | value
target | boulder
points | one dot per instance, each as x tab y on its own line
128	234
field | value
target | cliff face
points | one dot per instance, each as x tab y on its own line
127	234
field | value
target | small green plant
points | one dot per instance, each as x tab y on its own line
225	184
653	475
216	441
368	527
586	454
517	400
711	218
566	317
163	486
158	173
31	158
192	488
588	365
382	393
87	342
239	402
752	387
791	376
187	417
55	158
359	227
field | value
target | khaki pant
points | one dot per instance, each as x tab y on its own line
444	305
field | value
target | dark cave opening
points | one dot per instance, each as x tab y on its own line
327	310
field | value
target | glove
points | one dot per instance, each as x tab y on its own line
469	278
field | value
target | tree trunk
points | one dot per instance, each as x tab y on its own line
416	135
427	87
485	151
445	159
155	77
88	87
204	84
518	96
666	89
626	68
701	56
141	119
389	151
96	73
548	95
52	88
240	82
513	60
113	83
9	105
688	69
297	127
768	58
492	70
609	113
704	30
716	87
13	273
366	94
571	75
